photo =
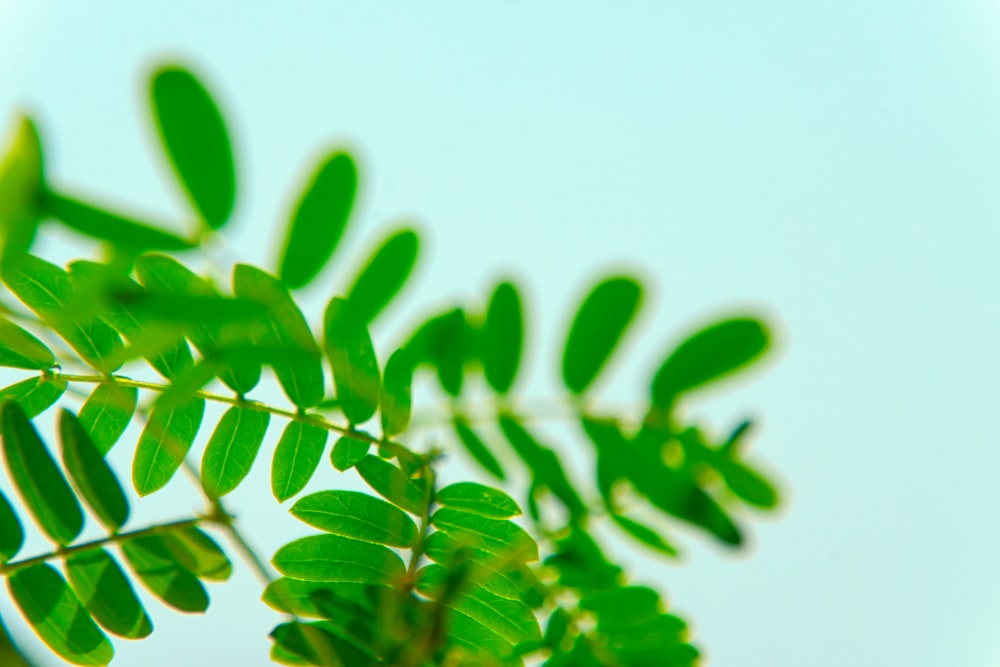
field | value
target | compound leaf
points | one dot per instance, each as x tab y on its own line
391	483
480	499
352	356
165	577
476	448
348	452
34	395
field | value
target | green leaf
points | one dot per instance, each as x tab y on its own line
105	591
164	443
480	499
11	532
198	553
34	395
10	655
49	605
347	452
91	475
47	290
319	220
21	180
312	599
748	484
339	559
296	458
195	139
392	484
644	534
104	225
503	336
476	448
490	535
107	413
318	644
285	325
39	482
384	274
357	515
231	451
596	330
19	349
447	342
155	307
708	355
161	573
352	356
395	400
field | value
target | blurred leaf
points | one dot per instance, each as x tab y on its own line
338	559
384	274
105	591
198	553
503	335
91	475
296	458
748	484
391	483
195	139
107	226
319	220
161	573
11	532
347	452
490	535
107	413
709	355
480	499
352	356
580	562
446	341
317	644
34	395
49	605
164	443
153	306
395	400
19	349
356	515
21	181
40	484
476	448
644	534
231	451
596	330
10	655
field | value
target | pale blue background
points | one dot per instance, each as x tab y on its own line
833	164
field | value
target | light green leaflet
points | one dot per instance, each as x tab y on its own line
21	177
55	613
19	349
338	559
352	356
91	475
198	553
164	443
47	290
319	220
107	413
163	575
231	451
503	334
476	448
39	482
490	535
391	483
395	400
596	330
384	274
357	515
480	499
102	224
195	139
347	452
11	532
105	591
296	458
34	395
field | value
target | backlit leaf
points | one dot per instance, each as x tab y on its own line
395	399
338	559
19	349
198	553
21	181
490	535
357	515
480	499
748	484
163	575
11	532
164	443
391	483
107	413
503	335
347	452
296	458
231	451
384	274
91	475
34	395
352	356
105	591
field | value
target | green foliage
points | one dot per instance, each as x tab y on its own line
410	573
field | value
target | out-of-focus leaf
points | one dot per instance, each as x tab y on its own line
195	139
104	225
91	475
34	395
164	443
356	515
347	452
477	498
352	356
446	342
105	591
319	220
503	335
644	534
161	573
384	274
154	307
395	400
476	448
198	553
19	349
748	484
39	482
580	562
490	535
11	532
10	655
391	483
318	644
597	328
107	413
296	458
334	558
21	181
231	451
55	613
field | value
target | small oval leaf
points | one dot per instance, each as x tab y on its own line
105	591
296	458
352	356
19	349
503	335
231	451
338	559
356	515
384	274
164	443
91	475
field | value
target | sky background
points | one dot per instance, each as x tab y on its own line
830	165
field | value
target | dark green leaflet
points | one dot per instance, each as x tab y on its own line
91	475
312	599
165	577
477	498
47	290
338	559
395	400
21	177
748	484
319	644
195	139
319	220
11	532
644	534
596	330
391	483
163	308
490	535
384	274
284	325
503	335
55	613
356	515
347	452
19	349
102	224
477	448
198	553
446	342
296	458
164	443
105	591
107	413
708	355
34	395
352	356
39	482
231	451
